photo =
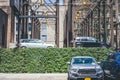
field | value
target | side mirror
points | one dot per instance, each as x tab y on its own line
68	63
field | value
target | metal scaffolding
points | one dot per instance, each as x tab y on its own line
96	19
27	12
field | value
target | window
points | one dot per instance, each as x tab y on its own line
16	37
44	32
16	26
29	26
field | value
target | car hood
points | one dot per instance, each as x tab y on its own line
85	66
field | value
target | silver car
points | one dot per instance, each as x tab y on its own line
34	43
84	68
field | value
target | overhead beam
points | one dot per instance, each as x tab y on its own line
39	16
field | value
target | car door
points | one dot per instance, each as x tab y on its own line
39	44
32	43
25	43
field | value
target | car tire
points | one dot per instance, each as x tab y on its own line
49	47
23	47
103	78
69	78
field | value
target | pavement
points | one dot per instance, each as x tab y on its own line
33	76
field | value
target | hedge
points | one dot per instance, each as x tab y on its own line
51	60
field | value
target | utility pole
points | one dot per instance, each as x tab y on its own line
57	24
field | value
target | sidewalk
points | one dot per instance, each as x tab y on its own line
33	76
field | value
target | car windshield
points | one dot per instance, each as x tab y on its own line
83	61
86	39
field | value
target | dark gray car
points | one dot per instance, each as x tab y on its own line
84	68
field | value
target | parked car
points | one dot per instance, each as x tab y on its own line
34	43
84	68
86	39
89	42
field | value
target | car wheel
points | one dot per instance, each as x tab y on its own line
107	78
69	78
103	78
23	47
103	46
78	46
49	47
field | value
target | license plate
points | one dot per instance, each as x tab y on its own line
87	79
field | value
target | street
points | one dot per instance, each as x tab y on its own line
33	76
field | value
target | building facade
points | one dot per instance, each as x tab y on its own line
5	5
40	28
3	28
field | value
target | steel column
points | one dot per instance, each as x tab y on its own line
25	20
57	23
104	21
19	25
88	26
111	24
99	21
91	23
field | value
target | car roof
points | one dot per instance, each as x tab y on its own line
84	37
82	57
29	39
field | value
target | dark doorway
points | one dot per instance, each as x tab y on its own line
3	36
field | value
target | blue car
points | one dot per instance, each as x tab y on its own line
111	66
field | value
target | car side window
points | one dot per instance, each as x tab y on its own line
77	40
24	41
31	41
84	40
39	41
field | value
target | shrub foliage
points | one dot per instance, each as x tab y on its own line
51	60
